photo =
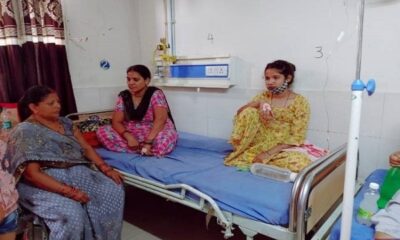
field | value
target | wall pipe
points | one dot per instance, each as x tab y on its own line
169	11
172	27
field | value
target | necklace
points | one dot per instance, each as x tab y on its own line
284	105
56	128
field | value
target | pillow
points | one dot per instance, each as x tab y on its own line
89	127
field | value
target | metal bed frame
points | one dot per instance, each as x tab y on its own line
316	192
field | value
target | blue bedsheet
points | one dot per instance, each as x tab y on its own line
359	231
198	162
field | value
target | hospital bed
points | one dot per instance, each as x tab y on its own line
194	175
359	231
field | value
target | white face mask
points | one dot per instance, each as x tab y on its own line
281	88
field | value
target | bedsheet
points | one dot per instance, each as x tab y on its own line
198	162
359	231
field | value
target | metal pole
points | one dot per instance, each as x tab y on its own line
351	165
360	38
353	139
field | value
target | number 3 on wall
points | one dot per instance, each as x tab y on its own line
320	54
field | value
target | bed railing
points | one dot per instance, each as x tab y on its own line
311	201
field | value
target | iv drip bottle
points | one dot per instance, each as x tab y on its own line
389	186
273	172
368	206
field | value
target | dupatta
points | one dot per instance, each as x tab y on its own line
138	114
33	142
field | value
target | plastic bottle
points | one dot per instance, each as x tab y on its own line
6	125
368	206
273	172
389	186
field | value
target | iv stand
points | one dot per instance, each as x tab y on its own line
357	88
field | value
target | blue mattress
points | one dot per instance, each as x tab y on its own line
198	162
359	231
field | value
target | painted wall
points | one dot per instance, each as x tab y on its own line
319	36
99	30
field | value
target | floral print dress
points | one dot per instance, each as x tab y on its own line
251	136
165	140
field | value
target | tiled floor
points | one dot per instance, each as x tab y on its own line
130	232
149	217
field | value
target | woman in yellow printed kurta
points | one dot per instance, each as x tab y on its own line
273	121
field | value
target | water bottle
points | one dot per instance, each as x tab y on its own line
273	172
6	125
368	206
389	186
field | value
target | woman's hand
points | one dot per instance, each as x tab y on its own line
110	172
131	141
75	194
263	157
146	149
81	197
2	213
115	176
394	159
265	111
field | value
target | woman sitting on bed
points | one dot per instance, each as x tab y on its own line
54	166
142	120
387	220
273	121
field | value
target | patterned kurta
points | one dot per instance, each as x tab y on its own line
251	136
165	140
62	156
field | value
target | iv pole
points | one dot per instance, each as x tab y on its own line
357	88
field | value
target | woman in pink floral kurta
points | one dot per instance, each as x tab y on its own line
142	121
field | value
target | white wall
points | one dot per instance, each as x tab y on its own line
257	32
97	30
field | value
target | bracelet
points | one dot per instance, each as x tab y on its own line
103	167
68	191
148	142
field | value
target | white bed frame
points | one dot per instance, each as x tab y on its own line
316	193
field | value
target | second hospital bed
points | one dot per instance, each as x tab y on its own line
194	175
359	231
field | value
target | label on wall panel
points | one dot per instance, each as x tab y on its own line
200	71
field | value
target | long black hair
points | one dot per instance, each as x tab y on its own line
35	95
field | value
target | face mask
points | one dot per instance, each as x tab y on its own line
281	88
